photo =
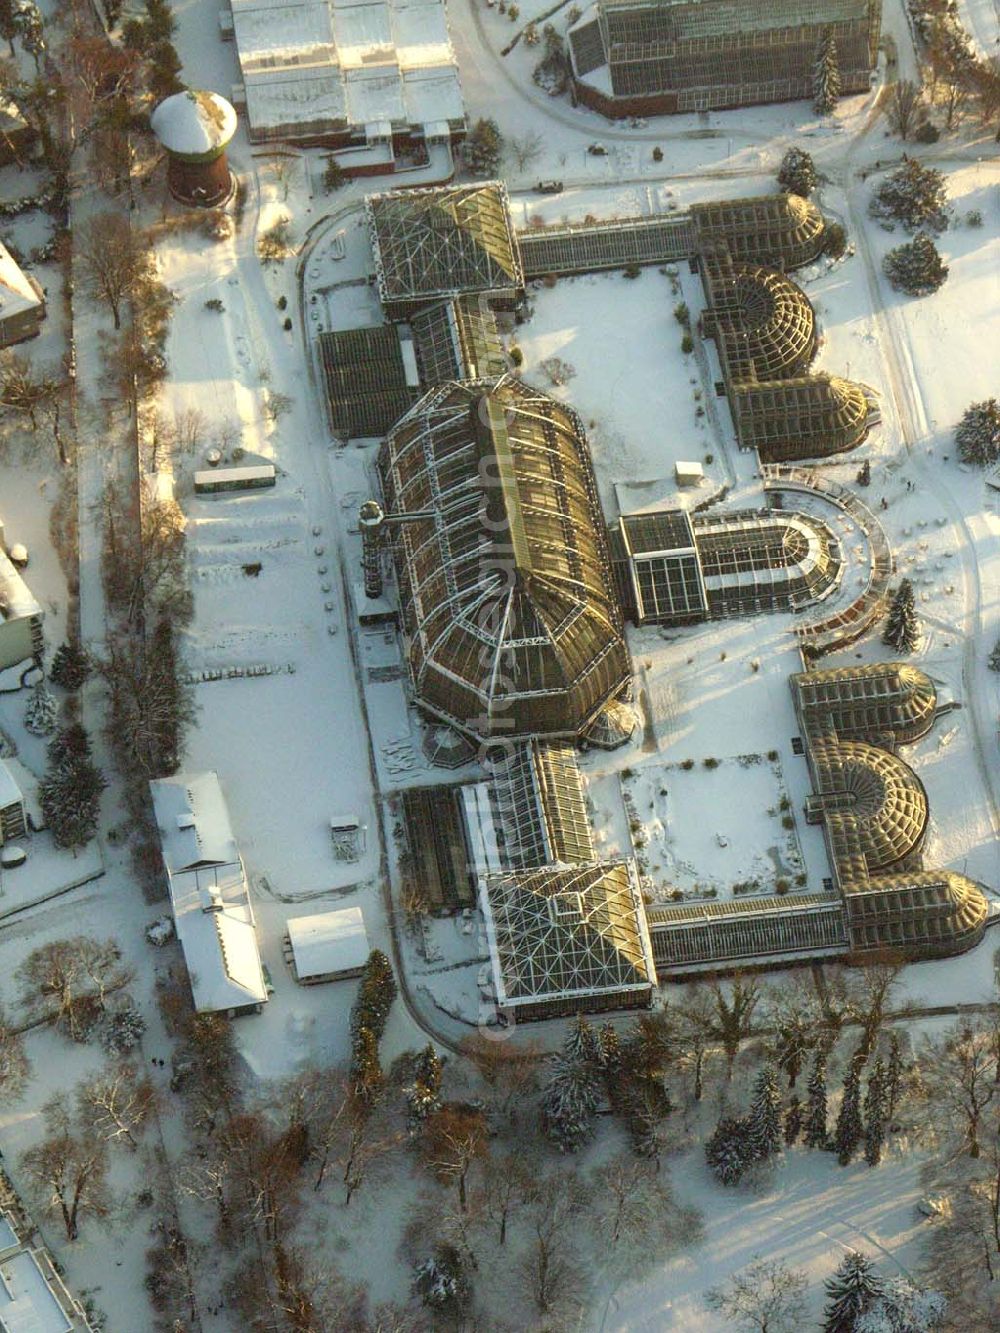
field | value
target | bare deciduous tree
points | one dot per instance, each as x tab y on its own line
959	1082
507	1184
143	555
14	1065
904	105
455	1137
349	1133
263	1192
189	428
526	149
68	1169
636	1209
119	1101
157	437
734	1006
766	1297
694	1021
549	1267
67	983
508	1068
36	393
113	259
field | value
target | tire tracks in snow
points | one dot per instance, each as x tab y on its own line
912	417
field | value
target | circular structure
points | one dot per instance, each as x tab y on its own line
195	129
771	326
886	802
12	856
511	623
614	725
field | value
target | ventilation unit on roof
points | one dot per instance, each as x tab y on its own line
185	819
211	900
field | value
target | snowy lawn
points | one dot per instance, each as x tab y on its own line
631	384
807	1215
725	827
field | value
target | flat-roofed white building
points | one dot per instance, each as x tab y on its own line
328	946
377	77
33	1297
209	894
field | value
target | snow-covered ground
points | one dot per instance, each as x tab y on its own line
981	20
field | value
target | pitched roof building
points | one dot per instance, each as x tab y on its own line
22	302
444	242
209	894
566	939
362	76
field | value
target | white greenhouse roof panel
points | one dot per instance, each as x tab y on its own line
328	944
311	66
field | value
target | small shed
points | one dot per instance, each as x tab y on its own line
688	474
328	946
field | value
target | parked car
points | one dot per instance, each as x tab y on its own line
597	150
549	187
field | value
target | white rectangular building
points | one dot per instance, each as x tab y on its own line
209	894
328	946
349	75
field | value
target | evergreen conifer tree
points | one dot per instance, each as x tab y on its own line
865	474
41	711
70	666
797	173
852	1291
611	1058
792	1043
916	268
764	1120
793	1121
367	1079
902	628
826	74
816	1112
875	1114
913	194
978	440
423	1095
369	1013
70	791
850	1129
569	1103
728	1152
484	148
581	1041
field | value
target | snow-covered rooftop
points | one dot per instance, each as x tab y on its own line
10	792
33	1298
310	65
328	943
16	291
16	600
208	892
193	122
